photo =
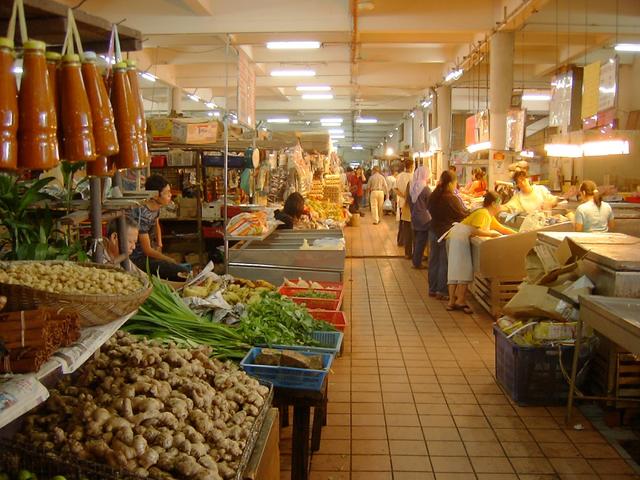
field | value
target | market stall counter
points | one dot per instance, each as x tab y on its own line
499	265
291	254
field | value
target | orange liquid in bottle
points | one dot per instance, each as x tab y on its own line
141	124
37	141
8	108
101	167
53	64
124	112
104	130
79	144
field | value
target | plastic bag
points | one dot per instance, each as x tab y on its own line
387	205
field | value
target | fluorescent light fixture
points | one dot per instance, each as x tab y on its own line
605	147
412	114
216	114
357	147
293	73
338	131
366	120
330	120
477	147
235	121
332	124
527	154
313	88
454	75
210	105
277	120
149	76
210	114
293	45
397	129
17	69
337	137
391	135
193	97
628	47
536	97
317	96
563	150
389	151
425	103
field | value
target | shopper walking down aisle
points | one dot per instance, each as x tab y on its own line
481	223
419	193
402	182
356	182
445	209
378	193
391	185
593	215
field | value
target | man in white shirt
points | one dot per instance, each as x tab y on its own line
402	181
529	198
391	184
378	191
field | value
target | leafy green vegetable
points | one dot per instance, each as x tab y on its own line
314	294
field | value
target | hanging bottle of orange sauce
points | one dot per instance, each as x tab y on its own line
53	64
141	124
77	125
8	108
124	113
101	167
37	141
104	130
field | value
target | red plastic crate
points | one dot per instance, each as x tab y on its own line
327	285
335	318
314	303
158	161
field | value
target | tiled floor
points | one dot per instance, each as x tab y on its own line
414	397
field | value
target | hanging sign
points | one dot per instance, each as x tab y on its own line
560	105
608	85
246	90
470	132
516	119
591	90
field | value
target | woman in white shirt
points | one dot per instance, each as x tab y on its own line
529	198
593	215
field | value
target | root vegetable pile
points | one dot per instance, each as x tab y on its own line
157	411
69	278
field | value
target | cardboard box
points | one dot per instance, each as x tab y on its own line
195	131
160	129
533	301
188	207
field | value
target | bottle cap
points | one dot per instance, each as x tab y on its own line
120	66
34	45
131	63
6	42
89	57
53	56
71	58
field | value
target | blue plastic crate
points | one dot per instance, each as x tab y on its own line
330	342
287	377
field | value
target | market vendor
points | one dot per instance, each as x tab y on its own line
112	245
292	211
529	198
593	215
481	223
477	187
148	249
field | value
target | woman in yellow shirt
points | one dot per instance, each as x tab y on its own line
481	223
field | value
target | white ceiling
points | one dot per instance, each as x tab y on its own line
379	62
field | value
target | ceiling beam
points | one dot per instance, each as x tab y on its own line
200	7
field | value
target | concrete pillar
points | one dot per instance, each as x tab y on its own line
443	120
501	51
176	100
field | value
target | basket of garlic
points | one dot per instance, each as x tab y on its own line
99	294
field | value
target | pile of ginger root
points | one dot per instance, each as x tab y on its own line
156	411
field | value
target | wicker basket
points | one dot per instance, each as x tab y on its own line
93	310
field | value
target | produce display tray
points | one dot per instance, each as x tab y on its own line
336	318
287	377
312	302
325	285
331	342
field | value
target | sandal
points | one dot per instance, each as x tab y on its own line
464	308
440	296
450	308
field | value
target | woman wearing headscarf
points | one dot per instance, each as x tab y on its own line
419	194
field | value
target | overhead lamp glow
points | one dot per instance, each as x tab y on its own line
563	150
332	124
536	97
454	75
337	131
293	45
389	151
425	103
337	137
313	88
149	76
412	114
627	47
527	154
293	73
366	120
210	105
330	120
477	147
277	120
317	96
605	147
210	114
357	147
193	97
391	135
17	69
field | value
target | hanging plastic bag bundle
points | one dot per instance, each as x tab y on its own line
8	107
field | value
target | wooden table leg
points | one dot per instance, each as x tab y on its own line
300	441
574	369
316	431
